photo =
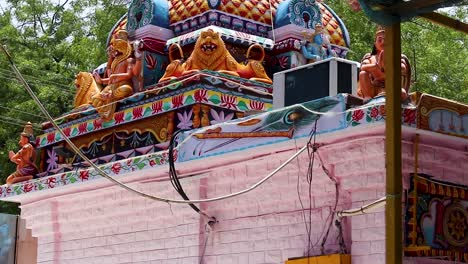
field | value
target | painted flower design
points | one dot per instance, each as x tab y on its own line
51	137
409	116
84	175
220	117
137	112
51	182
185	121
119	117
67	131
177	101
82	128
28	187
256	105
152	163
156	107
374	113
358	115
228	101
201	96
283	62
116	168
52	160
97	124
382	110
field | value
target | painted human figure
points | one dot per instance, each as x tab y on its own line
312	47
122	67
372	74
24	159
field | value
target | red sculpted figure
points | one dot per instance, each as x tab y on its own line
372	74
24	158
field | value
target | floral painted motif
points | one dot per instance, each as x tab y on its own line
220	117
156	107
185	120
52	160
409	116
117	168
177	101
119	117
228	101
187	97
201	96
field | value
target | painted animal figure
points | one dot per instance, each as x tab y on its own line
86	88
210	53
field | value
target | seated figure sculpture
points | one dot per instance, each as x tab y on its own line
122	67
372	74
24	159
210	53
312	47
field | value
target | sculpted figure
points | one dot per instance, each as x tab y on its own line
24	159
86	88
312	47
372	74
118	84
254	70
210	53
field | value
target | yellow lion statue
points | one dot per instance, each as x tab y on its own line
210	53
86	88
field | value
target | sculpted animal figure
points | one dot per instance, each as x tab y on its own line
210	53
86	87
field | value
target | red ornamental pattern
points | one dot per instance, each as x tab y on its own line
97	124
119	117
28	187
156	107
201	96
67	130
116	168
84	175
374	112
255	105
137	112
358	115
409	116
177	101
82	128
228	101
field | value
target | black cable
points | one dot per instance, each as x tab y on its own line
173	173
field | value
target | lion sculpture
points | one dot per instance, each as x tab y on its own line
86	88
210	53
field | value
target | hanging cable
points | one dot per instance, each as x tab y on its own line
175	179
119	183
19	111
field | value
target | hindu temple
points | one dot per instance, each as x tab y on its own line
238	132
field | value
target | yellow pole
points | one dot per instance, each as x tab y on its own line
393	213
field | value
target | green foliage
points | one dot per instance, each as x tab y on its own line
50	42
438	55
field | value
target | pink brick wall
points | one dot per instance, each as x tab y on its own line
111	225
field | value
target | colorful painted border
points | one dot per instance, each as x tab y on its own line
210	97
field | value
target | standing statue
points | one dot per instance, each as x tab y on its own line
372	74
122	67
25	158
312	47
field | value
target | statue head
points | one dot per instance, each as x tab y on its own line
27	135
379	40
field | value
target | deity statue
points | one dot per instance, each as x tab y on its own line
210	53
121	68
372	74
25	158
312	46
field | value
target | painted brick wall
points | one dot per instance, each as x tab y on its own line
267	225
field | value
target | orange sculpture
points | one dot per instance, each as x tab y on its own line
118	84
210	53
372	74
24	159
86	88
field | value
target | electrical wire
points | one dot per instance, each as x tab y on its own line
119	183
175	179
19	111
19	121
40	80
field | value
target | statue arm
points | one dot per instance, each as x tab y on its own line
309	54
124	76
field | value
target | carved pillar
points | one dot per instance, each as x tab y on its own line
196	116
205	120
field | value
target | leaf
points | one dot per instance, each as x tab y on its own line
72	179
214	99
242	106
348	116
189	100
368	118
354	123
141	165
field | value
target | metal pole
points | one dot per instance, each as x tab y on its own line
393	213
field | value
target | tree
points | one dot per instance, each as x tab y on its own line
50	41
